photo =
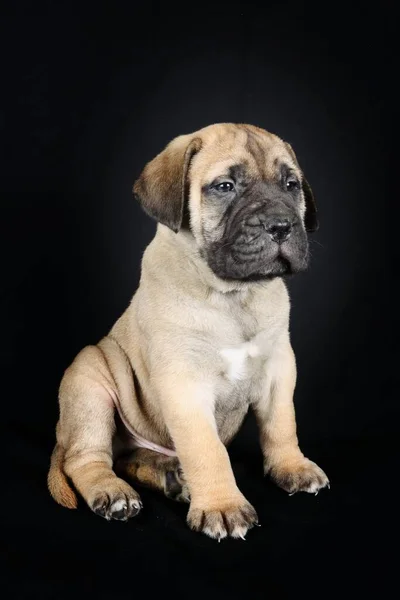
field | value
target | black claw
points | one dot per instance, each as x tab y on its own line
202	521
100	507
100	510
226	523
135	510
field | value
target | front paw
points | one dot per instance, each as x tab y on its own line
117	501
232	519
302	476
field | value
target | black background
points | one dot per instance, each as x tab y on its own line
90	93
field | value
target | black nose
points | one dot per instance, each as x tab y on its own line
279	229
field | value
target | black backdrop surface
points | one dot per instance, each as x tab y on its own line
90	93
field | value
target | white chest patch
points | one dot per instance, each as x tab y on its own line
238	360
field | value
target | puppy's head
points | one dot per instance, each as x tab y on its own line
247	202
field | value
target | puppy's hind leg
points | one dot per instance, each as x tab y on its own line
156	471
84	439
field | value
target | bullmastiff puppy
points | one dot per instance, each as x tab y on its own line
204	338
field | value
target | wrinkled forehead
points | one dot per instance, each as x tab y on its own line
260	153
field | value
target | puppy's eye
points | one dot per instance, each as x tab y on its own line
291	184
224	186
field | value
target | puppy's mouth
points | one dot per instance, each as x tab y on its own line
280	267
272	260
263	259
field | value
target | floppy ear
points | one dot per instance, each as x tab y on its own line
310	218
162	186
311	222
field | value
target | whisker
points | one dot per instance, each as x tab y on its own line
317	242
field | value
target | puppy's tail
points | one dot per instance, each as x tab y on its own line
57	481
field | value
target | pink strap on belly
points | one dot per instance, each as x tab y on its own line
140	441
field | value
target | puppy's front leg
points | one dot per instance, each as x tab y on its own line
217	507
275	413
